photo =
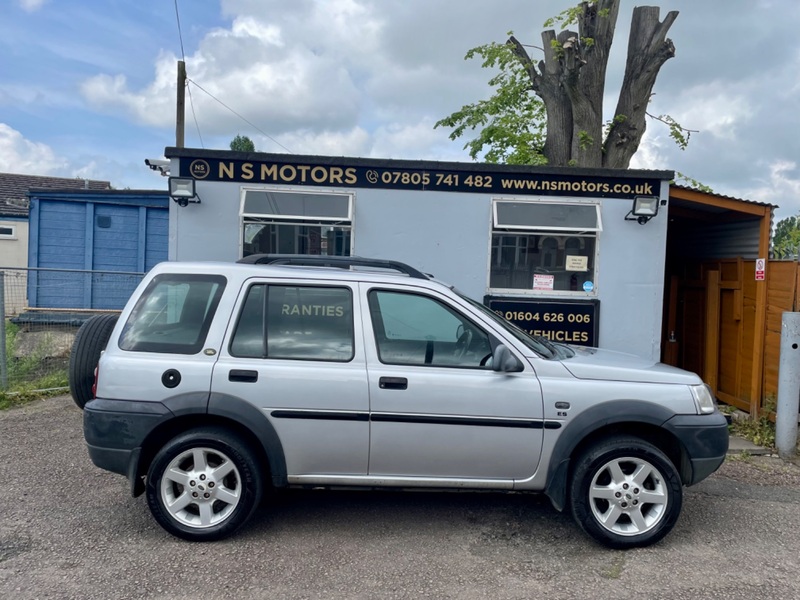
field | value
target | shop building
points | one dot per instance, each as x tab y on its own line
576	255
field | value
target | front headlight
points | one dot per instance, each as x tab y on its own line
703	398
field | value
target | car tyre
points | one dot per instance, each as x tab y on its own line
204	484
89	343
625	493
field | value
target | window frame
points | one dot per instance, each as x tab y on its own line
205	327
554	232
491	338
515	227
294	220
12	235
265	320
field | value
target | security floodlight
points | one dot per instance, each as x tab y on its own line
644	209
181	190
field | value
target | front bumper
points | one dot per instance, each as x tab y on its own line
705	438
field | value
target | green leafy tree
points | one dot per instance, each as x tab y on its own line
242	143
551	111
786	240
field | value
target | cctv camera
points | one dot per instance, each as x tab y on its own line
182	201
157	164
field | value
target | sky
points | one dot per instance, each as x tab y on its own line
88	89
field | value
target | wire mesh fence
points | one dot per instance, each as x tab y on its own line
42	311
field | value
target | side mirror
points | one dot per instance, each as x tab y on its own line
504	361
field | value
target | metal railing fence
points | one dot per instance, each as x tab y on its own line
42	310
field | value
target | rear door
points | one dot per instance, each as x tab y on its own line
438	410
295	351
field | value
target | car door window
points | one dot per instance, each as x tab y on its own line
295	322
412	329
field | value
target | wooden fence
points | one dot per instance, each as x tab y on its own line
783	294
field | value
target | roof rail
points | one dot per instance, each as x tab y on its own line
340	262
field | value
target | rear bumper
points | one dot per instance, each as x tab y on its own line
705	438
115	431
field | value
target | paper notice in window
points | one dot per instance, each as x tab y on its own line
543	282
577	263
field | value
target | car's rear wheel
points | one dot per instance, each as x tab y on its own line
625	493
89	343
204	484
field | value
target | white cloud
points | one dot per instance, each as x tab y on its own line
781	187
716	108
352	142
31	5
650	154
413	141
154	106
18	155
279	87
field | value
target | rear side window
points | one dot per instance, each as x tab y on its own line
173	315
295	322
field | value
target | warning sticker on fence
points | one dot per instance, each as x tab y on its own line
761	268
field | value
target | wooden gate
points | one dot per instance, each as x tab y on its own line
715	327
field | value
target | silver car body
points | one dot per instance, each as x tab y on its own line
338	425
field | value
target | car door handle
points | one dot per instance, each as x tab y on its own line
243	375
393	383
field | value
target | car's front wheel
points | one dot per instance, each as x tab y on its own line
204	484
625	493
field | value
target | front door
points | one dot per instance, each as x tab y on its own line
437	409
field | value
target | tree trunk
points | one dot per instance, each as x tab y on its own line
648	50
546	83
585	64
570	80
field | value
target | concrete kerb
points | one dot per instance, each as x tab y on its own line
739	445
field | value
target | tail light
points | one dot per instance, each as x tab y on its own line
94	383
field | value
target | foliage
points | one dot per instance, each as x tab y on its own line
28	380
242	143
761	430
679	134
683	179
511	122
569	16
786	240
511	126
33	393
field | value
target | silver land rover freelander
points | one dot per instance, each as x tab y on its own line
219	380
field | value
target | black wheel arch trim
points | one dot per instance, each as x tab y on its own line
256	421
119	431
583	425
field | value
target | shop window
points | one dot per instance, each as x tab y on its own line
544	247
283	222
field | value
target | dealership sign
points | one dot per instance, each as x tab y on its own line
390	175
569	322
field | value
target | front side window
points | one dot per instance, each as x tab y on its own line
173	315
418	330
544	247
283	222
295	322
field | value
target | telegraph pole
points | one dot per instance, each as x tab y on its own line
181	105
